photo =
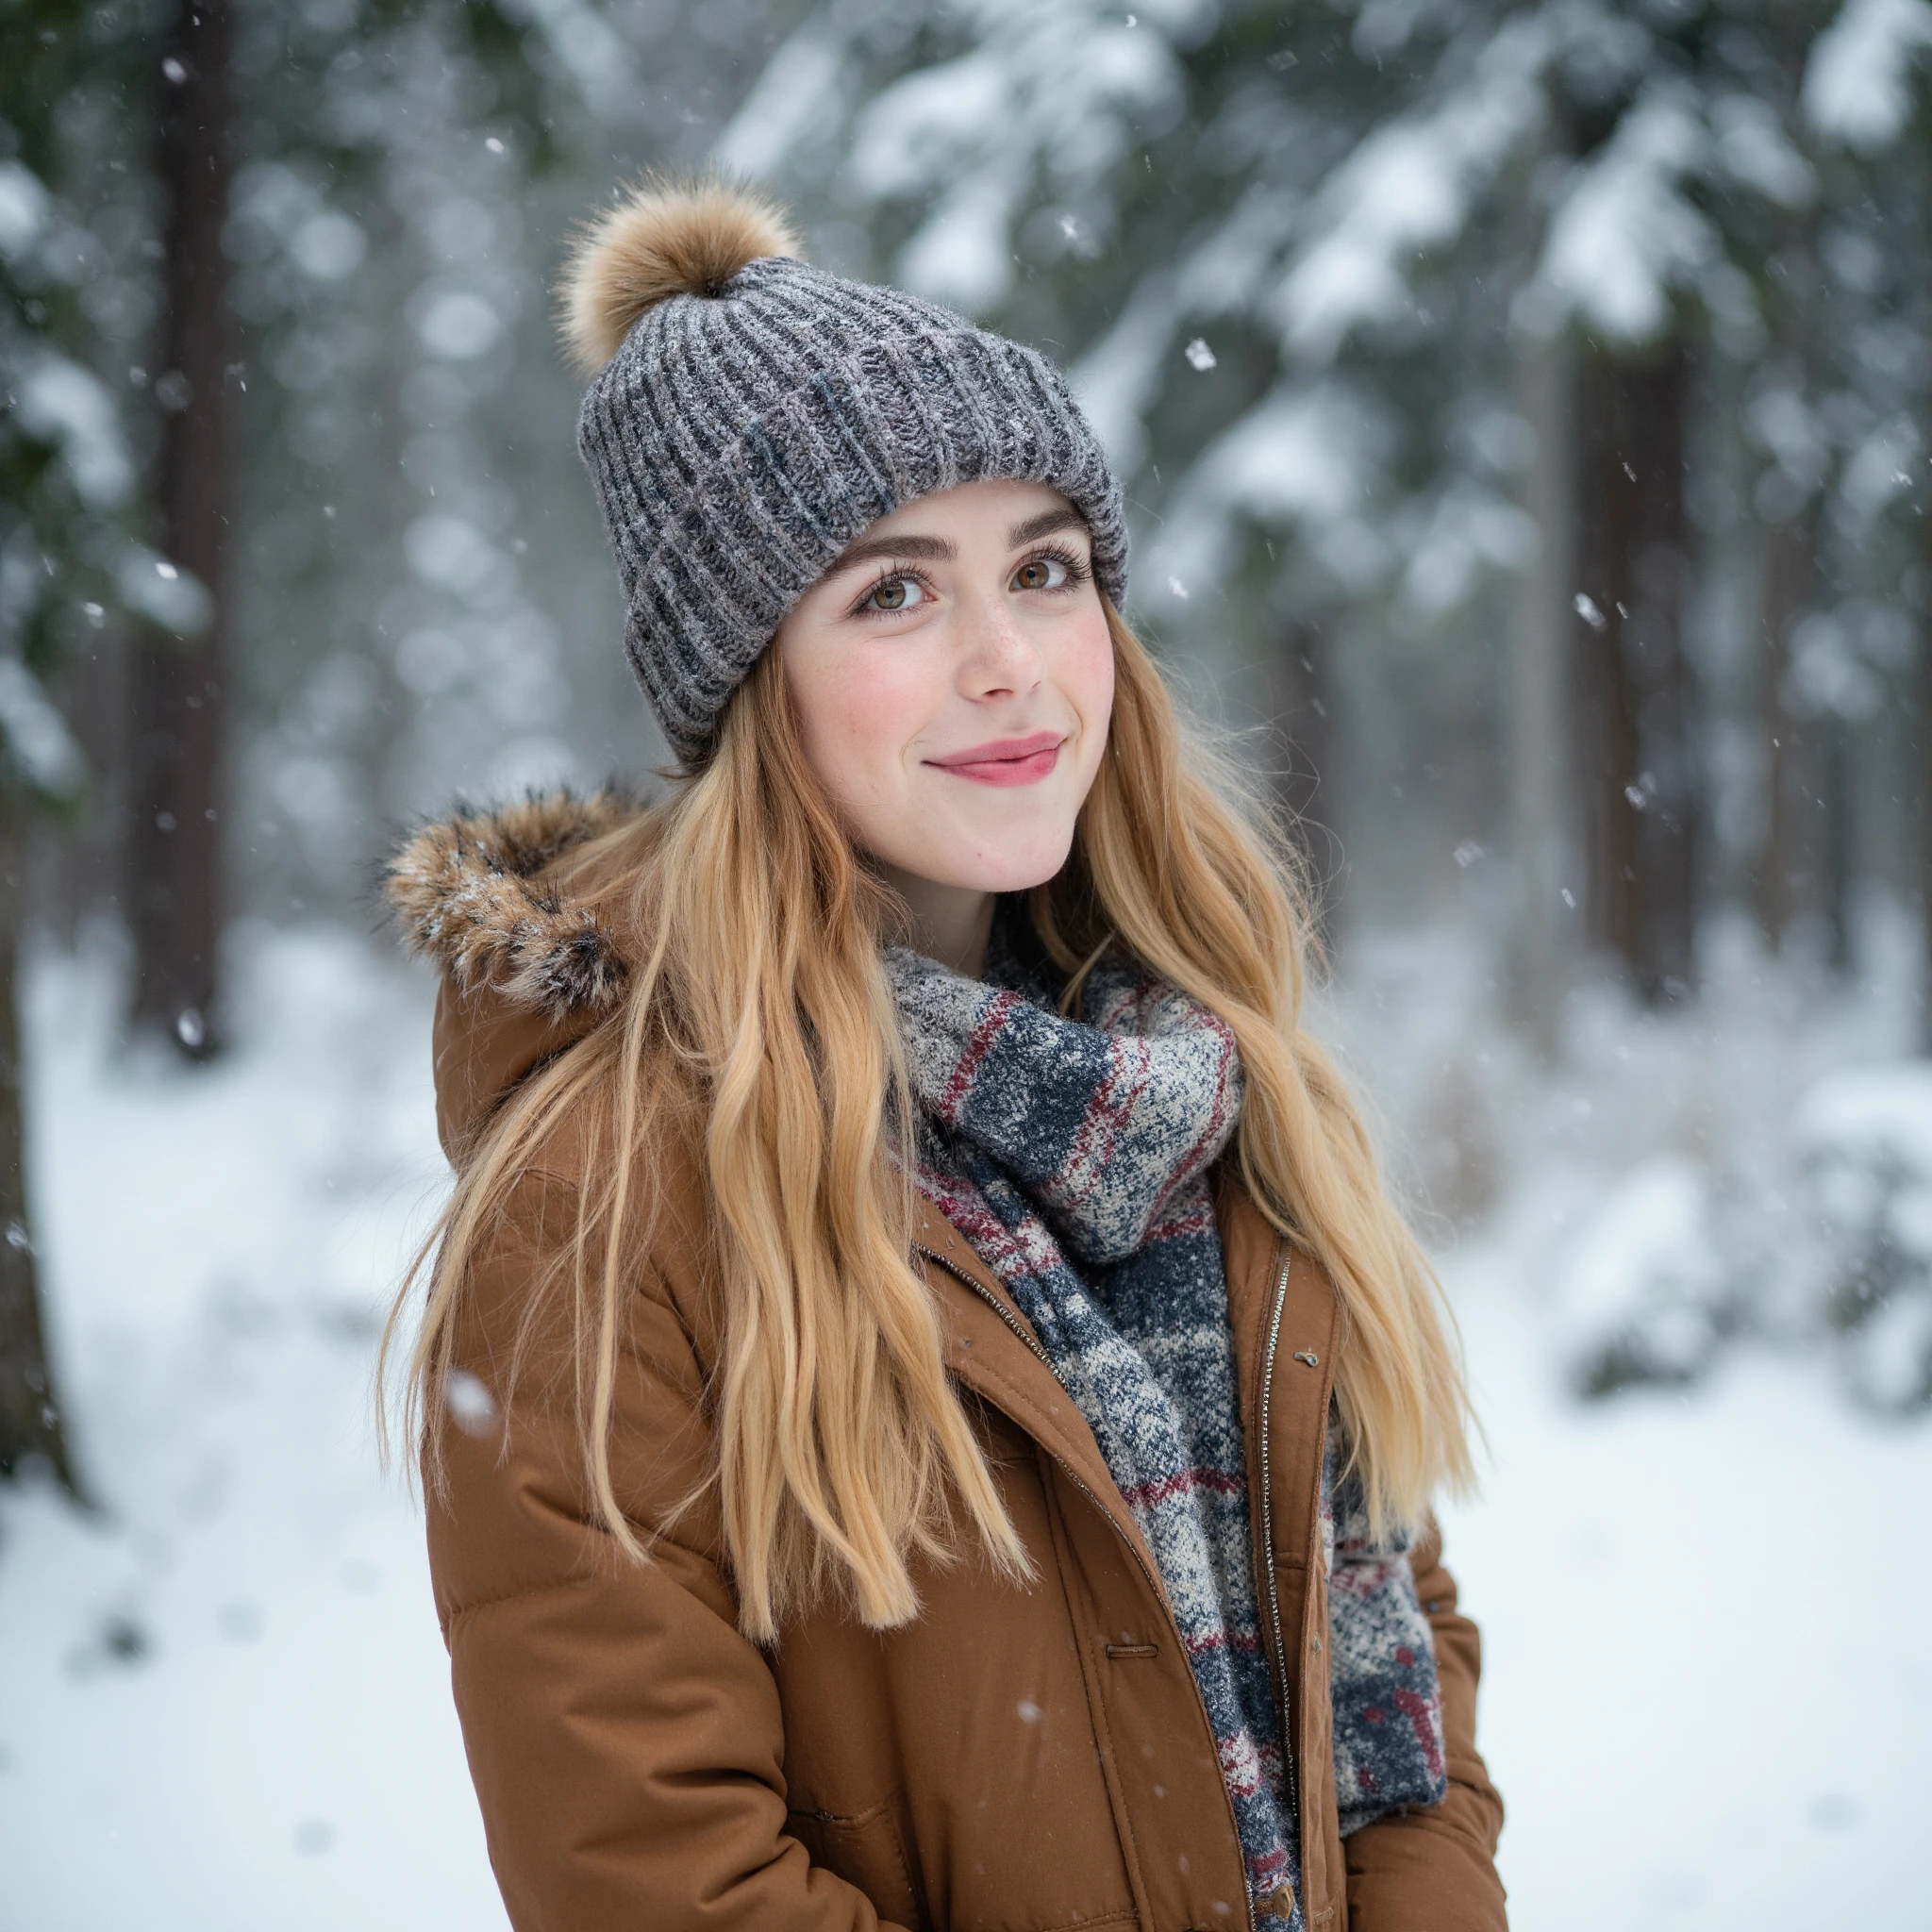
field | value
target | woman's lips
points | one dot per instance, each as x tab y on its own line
1005	760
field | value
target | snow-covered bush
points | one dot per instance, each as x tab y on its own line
1835	1233
1865	1138
1647	1295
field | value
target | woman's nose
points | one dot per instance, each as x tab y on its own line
1000	655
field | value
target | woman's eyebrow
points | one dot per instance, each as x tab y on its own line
916	549
1065	518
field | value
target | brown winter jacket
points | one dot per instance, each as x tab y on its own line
1022	1758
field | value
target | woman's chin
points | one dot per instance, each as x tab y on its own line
1013	870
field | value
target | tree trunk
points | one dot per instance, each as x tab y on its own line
1805	866
178	685
1922	306
1924	760
1837	855
31	1434
1303	701
1538	727
1640	808
1790	585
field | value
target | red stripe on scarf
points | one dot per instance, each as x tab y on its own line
1420	1712
977	1047
1145	1495
1104	1115
1224	1067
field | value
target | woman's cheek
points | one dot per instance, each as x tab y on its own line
878	707
1087	675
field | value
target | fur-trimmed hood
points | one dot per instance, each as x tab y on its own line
471	895
527	969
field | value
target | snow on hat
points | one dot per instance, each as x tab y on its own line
749	415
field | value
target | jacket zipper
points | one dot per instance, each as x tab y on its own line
998	1306
1285	1702
1012	1321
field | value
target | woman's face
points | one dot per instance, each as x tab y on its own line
953	677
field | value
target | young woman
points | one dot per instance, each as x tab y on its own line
929	1415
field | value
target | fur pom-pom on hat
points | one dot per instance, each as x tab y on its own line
661	239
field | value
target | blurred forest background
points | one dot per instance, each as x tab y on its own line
1525	410
1525	406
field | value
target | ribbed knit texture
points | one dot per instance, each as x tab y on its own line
740	441
1074	1156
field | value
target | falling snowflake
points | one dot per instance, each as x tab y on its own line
1199	355
471	1406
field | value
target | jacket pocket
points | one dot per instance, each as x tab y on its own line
866	1849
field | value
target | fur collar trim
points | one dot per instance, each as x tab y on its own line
471	897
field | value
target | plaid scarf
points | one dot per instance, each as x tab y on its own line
1073	1158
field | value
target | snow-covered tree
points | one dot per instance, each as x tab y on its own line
66	481
421	587
363	616
1419	326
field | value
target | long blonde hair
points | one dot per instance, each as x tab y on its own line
760	1023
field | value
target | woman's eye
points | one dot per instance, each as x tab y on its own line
1041	573
895	594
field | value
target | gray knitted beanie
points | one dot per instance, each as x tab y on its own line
751	415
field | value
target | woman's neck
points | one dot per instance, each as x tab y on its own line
950	924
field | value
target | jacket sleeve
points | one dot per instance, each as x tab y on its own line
625	1741
1435	1870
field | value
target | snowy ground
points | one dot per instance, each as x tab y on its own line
1707	1685
222	1700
